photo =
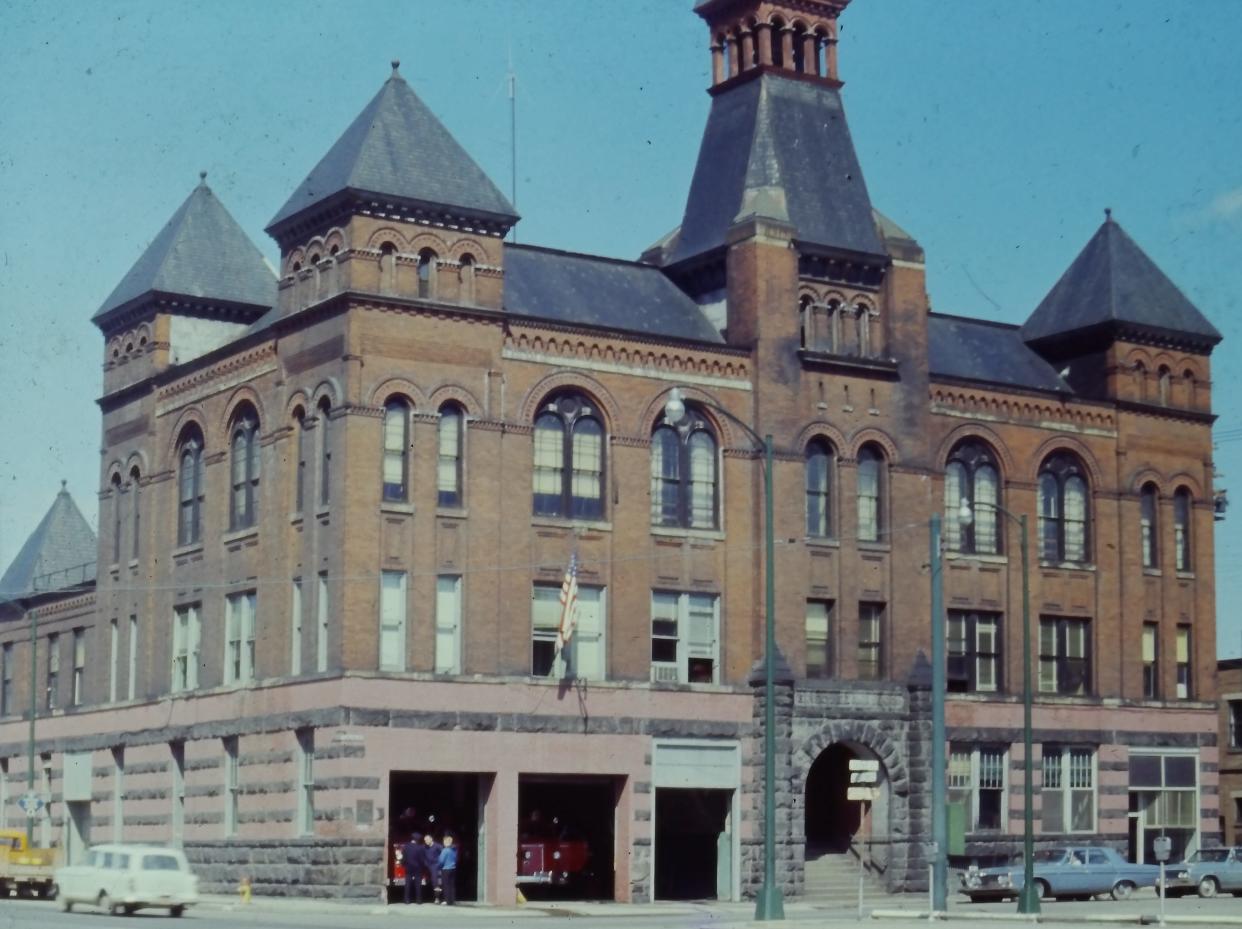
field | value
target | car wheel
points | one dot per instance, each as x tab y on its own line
1122	889
104	902
1208	887
177	910
1041	889
65	904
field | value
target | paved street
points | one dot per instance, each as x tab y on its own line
219	913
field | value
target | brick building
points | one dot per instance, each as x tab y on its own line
1229	673
327	603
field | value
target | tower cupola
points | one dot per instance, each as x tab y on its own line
798	36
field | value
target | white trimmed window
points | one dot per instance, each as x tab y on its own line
295	629
976	780
1068	791
306	781
79	665
392	620
186	636
583	656
448	624
239	637
113	659
685	641
232	784
321	638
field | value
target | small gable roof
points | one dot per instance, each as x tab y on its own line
593	291
397	148
981	350
201	252
784	142
1113	281
60	553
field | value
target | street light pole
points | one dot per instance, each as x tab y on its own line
940	851
770	902
34	709
1028	896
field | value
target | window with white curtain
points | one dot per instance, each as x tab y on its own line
392	620
448	624
396	449
1063	510
976	780
449	456
971	475
870	493
1151	667
239	610
583	656
1064	655
685	637
186	636
1067	792
568	475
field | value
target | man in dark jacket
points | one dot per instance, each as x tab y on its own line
412	859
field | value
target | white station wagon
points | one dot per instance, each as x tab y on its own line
124	878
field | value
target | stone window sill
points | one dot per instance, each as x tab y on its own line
394	506
455	512
1185	575
1152	572
1068	565
240	535
551	522
194	548
678	532
821	541
982	559
874	546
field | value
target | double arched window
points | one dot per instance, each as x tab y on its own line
244	468
871	481
569	459
1149	504
684	473
1181	530
820	473
190	486
971	475
448	456
396	449
1064	514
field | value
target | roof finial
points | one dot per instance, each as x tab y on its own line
64	485
202	177
1108	214
396	63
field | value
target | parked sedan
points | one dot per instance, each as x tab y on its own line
1210	871
1066	871
124	878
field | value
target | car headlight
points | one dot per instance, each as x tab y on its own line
972	880
1004	880
1183	875
556	856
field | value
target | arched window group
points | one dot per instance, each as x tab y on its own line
244	470
971	476
396	452
684	473
1149	533
1063	510
834	328
569	459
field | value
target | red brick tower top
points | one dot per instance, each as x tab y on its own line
789	35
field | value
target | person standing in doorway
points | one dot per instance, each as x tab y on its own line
412	861
431	861
448	870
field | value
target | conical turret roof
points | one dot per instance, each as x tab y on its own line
1113	281
61	552
396	148
201	252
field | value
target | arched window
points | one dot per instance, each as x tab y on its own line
299	494
191	487
1181	529
870	493
806	321
778	43
1164	385
426	273
117	490
396	449
862	319
1140	379
1148	501
467	279
244	465
388	267
325	452
448	466
971	475
684	473
1188	377
1063	510
569	459
819	482
135	482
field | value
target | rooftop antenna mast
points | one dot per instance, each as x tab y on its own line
511	82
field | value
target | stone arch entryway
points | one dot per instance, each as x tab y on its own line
832	822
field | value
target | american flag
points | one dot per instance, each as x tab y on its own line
569	604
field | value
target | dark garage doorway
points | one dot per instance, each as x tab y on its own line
577	808
422	802
693	844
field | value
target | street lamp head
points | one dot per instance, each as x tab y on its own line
674	407
965	516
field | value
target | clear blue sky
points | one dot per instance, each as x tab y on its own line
996	132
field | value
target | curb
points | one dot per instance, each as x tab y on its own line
1138	919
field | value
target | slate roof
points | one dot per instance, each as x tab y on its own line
981	350
589	290
397	148
200	252
1113	281
61	552
777	138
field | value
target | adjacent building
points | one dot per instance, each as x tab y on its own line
1229	674
339	502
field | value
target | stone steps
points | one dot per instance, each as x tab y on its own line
833	878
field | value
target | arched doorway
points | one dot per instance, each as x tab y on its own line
833	822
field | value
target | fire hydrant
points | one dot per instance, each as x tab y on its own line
243	889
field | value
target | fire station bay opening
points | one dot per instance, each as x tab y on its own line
697	806
436	803
567	836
